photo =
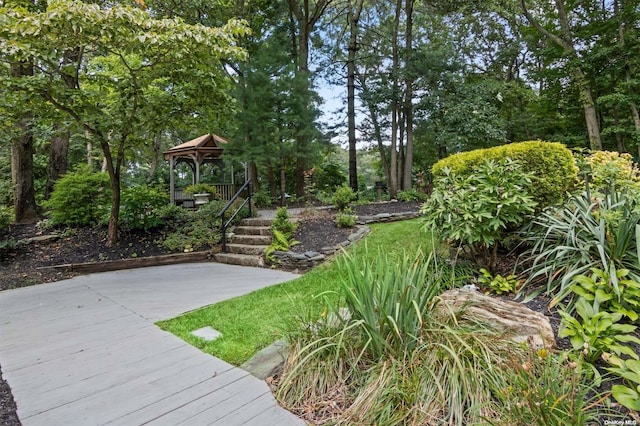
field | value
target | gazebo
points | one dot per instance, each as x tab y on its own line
204	149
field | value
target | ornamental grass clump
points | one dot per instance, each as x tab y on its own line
387	356
585	233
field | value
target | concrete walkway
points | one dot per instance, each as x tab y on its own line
86	351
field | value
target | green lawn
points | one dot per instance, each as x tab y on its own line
251	322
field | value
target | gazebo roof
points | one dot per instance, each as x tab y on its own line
203	147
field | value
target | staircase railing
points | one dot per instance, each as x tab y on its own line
224	225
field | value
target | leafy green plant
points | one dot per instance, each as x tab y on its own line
283	223
570	240
196	229
612	292
80	198
551	166
262	199
391	359
411	195
282	229
607	168
280	242
543	389
475	211
6	217
346	218
499	284
201	188
628	394
597	332
342	197
392	296
140	207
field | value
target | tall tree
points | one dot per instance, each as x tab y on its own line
307	13
565	40
353	17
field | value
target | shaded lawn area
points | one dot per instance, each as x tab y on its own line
254	321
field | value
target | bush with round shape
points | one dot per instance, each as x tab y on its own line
140	207
80	198
342	197
552	165
474	211
606	169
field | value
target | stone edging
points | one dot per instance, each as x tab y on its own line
386	217
302	262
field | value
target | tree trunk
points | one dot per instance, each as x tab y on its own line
566	43
307	15
253	175
57	165
408	106
24	194
353	17
377	131
395	107
155	159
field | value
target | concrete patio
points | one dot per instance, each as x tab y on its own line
86	351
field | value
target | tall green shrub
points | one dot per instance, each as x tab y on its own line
553	168
80	198
475	210
140	207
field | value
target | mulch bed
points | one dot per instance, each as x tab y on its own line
8	415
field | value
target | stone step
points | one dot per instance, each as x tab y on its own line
252	230
245	249
255	221
239	259
255	240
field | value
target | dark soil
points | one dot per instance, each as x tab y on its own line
8	416
36	248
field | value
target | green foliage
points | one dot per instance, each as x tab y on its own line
80	198
390	297
597	332
282	223
346	218
343	196
499	284
411	195
328	177
391	356
201	188
544	390
608	169
628	394
475	210
201	228
570	240
262	199
6	217
282	229
551	166
280	242
611	291
140	207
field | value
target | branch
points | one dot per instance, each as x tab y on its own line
548	34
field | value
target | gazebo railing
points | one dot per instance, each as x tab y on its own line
224	191
225	224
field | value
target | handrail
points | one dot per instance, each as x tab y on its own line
224	225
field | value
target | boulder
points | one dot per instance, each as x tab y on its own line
513	318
